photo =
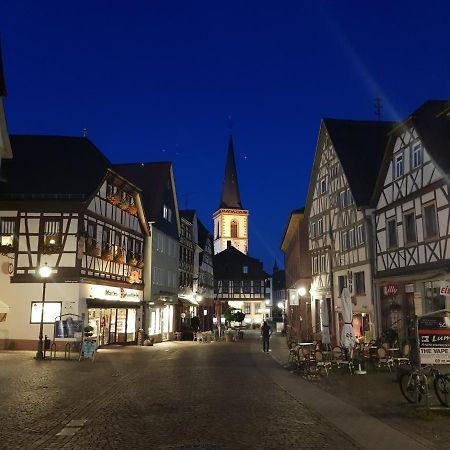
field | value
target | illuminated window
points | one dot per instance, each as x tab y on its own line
51	311
247	308
234	229
167	213
51	236
245	269
7	232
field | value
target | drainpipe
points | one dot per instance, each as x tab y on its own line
147	275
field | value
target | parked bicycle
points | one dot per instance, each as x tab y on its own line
414	384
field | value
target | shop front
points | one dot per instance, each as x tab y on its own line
161	317
114	314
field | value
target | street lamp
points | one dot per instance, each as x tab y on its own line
44	272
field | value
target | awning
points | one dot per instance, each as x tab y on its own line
188	301
4	308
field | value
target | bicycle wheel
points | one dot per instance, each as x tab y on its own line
413	386
442	388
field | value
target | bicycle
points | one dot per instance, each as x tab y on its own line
414	384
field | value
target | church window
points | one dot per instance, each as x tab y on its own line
234	229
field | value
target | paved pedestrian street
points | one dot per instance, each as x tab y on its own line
174	395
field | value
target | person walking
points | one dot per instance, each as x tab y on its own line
266	332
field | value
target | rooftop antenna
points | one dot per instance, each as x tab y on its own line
85	132
378	107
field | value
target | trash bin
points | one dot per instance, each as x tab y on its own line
47	343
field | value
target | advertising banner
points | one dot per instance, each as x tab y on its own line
69	329
434	335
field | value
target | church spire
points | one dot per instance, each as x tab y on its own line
230	190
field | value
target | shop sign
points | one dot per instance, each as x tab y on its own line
390	290
445	288
113	293
434	334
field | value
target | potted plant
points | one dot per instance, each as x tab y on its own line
123	204
113	199
132	261
88	331
132	209
119	257
107	253
140	263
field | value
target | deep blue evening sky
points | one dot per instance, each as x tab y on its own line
157	80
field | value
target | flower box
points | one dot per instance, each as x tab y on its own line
123	205
93	251
107	254
132	210
140	264
132	261
113	199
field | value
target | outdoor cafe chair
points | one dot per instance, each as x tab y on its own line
384	360
321	363
404	358
341	359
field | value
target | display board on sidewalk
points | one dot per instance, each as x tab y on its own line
434	334
88	348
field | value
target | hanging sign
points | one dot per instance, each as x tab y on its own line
445	288
390	290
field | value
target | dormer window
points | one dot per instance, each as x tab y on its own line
167	213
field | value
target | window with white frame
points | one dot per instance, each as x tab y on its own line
323	263
7	232
360	232
417	155
351	238
431	224
313	230
320	227
247	308
344	238
349	197
391	231
409	226
343	198
315	262
323	185
399	167
360	283
51	233
167	213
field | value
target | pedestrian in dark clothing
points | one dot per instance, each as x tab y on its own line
266	332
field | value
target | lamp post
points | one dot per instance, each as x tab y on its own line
44	272
302	292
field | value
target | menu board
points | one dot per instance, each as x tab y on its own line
434	335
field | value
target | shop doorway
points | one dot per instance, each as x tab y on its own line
113	325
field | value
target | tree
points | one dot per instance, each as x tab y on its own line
239	316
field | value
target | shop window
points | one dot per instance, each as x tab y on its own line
391	229
433	300
409	225
431	226
360	283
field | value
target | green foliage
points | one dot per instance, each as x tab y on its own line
239	316
390	336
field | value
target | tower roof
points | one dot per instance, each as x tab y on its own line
230	190
2	78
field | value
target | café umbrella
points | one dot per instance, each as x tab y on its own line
325	323
348	339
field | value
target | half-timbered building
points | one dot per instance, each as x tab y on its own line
240	282
412	218
159	198
62	205
347	159
5	146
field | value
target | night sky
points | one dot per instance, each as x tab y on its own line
158	80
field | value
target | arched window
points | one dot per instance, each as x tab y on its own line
234	229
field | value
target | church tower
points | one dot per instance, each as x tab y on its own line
230	220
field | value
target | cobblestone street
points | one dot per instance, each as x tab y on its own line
175	395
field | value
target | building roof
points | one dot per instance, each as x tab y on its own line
2	77
360	146
230	191
188	214
52	168
291	226
432	123
228	264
